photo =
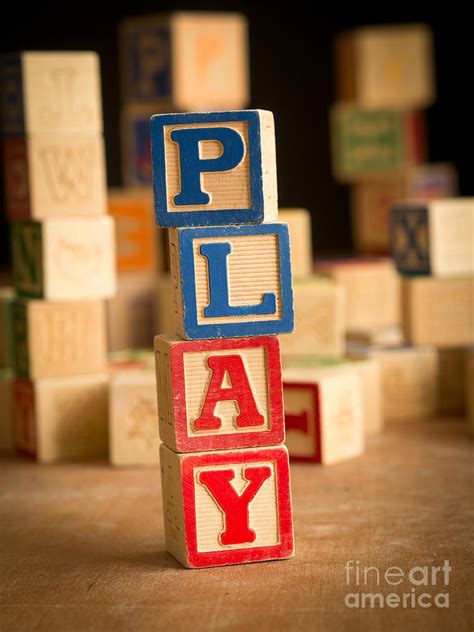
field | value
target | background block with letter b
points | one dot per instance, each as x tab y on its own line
214	168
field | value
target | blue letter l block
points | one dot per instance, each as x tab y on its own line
191	165
216	254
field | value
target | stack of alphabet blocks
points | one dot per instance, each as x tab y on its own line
224	468
62	249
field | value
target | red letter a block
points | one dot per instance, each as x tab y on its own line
227	507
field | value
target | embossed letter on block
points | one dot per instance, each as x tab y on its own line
227	507
215	168
232	281
219	394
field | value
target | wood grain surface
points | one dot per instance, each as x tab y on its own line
82	546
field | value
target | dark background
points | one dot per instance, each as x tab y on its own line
291	68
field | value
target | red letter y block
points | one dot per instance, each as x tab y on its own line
240	392
235	507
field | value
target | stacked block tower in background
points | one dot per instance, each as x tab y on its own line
62	250
225	471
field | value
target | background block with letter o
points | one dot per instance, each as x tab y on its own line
215	168
219	394
232	281
227	507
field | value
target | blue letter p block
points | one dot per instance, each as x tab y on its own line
214	169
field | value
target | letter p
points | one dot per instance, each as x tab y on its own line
192	165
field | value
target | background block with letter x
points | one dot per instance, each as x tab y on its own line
212	169
232	281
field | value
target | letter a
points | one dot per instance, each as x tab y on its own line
240	392
235	507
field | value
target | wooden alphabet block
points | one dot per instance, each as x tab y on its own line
6	381
131	312
164	306
55	339
410	378
369	373
54	175
320	319
64	258
232	281
227	507
219	394
61	418
133	423
372	290
386	66
6	327
301	243
371	202
323	415
469	385
136	144
192	60
374	143
214	168
438	312
51	92
435	238
135	232
452	391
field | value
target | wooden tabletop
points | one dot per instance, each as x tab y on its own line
82	546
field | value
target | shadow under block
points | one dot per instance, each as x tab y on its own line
6	385
131	312
323	414
438	312
372	291
164	304
64	258
410	380
389	336
55	175
371	201
227	507
219	394
386	66
301	243
61	418
137	243
373	143
434	238
51	92
320	319
452	391
133	423
54	339
469	385
214	168
232	281
6	327
192	60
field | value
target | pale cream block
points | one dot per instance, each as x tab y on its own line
372	291
6	437
53	92
320	319
451	237
65	258
67	417
131	312
439	312
133	422
164	308
333	403
452	391
410	379
301	243
54	339
385	66
196	60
